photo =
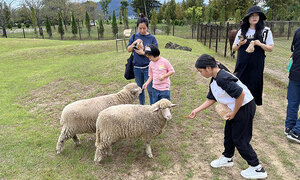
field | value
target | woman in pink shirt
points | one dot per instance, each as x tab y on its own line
160	71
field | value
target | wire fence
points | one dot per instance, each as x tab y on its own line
216	37
212	35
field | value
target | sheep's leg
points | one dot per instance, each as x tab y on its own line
76	140
61	140
110	151
148	150
101	151
98	156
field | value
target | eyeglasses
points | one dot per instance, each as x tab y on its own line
254	16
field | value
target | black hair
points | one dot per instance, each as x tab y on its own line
142	19
258	27
204	61
154	51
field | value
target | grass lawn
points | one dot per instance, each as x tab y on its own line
39	77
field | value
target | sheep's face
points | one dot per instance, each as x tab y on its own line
164	107
133	88
166	113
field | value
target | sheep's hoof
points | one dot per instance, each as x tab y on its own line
97	163
150	155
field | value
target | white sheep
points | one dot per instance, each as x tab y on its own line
80	117
130	121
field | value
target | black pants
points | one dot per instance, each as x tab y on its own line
238	133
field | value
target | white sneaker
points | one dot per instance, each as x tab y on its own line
254	172
222	162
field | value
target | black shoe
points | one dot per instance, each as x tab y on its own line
287	131
293	136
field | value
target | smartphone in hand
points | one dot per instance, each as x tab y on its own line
241	38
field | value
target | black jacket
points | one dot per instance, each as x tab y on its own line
295	48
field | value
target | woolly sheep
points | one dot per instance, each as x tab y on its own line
81	116
130	121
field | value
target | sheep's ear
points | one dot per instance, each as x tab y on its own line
173	105
156	109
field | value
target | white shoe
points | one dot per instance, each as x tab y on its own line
222	162
254	172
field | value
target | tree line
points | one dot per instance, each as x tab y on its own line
65	13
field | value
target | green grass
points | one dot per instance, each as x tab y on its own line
39	77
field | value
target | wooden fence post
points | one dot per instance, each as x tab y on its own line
23	32
227	29
173	29
41	32
201	32
192	31
289	31
198	31
205	30
210	36
217	30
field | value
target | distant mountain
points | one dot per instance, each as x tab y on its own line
115	5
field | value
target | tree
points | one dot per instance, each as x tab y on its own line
48	27
74	25
276	6
61	30
168	23
5	15
179	12
114	24
124	12
52	7
92	8
183	5
36	5
194	12
101	27
34	20
222	16
125	16
104	6
170	10
161	13
88	23
145	6
120	17
154	20
238	17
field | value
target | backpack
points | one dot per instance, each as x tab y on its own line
265	34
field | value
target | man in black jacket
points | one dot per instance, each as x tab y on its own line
292	122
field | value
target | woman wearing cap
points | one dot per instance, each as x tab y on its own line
140	61
250	65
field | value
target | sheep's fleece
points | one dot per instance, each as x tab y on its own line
130	121
80	116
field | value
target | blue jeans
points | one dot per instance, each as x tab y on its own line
141	76
293	96
158	95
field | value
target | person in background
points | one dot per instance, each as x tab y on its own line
160	71
140	61
250	65
227	89
292	122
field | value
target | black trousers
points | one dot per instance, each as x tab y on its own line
238	133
